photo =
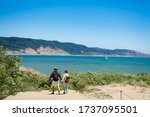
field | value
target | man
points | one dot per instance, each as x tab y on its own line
56	77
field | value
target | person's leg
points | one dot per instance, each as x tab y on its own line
66	88
52	87
58	88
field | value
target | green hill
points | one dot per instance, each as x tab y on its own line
18	45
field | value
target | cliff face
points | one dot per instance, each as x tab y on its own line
17	45
41	51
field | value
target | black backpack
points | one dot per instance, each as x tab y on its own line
56	76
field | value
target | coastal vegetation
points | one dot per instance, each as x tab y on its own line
14	79
80	81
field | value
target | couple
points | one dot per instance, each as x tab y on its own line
56	78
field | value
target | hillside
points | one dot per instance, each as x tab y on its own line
17	45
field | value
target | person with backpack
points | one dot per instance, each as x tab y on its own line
66	79
56	77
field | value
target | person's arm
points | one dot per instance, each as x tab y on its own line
50	77
64	77
60	76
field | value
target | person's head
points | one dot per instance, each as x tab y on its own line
55	69
66	71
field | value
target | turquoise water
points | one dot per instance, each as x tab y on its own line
45	64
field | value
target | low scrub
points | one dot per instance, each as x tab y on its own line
79	81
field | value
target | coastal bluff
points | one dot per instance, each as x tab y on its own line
20	45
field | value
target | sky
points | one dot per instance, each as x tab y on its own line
110	24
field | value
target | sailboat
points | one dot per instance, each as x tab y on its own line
106	57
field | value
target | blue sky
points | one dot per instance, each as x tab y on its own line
95	23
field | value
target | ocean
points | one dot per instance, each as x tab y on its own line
45	64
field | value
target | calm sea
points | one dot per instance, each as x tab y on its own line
45	64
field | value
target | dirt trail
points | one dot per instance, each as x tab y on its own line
46	95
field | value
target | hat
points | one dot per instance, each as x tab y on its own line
55	68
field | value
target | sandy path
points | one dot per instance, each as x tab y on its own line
107	92
45	95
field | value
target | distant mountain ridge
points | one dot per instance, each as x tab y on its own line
18	45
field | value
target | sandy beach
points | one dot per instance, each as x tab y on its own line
107	92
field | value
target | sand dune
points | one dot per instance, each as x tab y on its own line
118	92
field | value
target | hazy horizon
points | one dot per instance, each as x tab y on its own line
109	24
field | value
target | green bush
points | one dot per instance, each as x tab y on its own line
13	80
9	69
79	81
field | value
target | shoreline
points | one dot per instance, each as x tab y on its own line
80	55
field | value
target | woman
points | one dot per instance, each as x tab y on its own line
65	81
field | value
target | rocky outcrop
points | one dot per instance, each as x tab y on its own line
39	51
48	50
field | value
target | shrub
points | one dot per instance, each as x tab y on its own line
13	80
9	69
79	81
